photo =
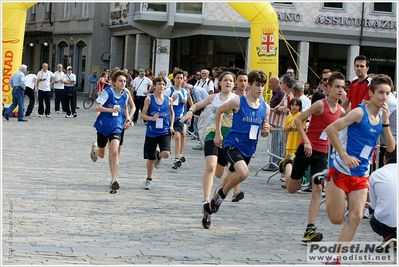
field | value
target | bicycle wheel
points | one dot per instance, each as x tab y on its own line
88	102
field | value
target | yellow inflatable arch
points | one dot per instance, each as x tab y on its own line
263	38
13	31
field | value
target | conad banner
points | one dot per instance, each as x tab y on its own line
13	31
263	38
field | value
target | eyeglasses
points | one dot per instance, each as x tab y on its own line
325	79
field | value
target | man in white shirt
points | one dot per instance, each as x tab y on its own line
58	83
298	90
30	90
70	91
140	88
205	82
44	77
384	196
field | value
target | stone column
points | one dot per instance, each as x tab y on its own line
303	62
130	52
161	56
116	52
353	51
143	51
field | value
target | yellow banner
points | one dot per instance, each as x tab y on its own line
13	31
263	38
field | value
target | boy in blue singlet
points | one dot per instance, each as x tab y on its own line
158	112
250	118
350	161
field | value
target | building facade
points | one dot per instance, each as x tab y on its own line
192	36
70	34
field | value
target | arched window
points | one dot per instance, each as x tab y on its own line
80	69
63	54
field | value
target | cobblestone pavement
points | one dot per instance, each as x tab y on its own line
57	209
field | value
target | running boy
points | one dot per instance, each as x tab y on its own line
110	123
350	161
250	117
158	112
180	96
313	149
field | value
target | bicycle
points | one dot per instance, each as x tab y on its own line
88	102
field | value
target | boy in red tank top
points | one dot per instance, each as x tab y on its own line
313	149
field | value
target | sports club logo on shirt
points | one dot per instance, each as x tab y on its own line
267	47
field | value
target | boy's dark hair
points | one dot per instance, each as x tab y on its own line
298	101
116	72
179	71
381	79
390	157
362	57
335	76
257	76
317	96
159	79
241	72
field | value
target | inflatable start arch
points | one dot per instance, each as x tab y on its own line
263	38
13	28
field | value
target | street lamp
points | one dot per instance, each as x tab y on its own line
31	44
45	43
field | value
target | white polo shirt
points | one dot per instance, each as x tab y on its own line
59	75
44	85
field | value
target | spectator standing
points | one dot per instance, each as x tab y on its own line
195	79
170	76
359	88
205	82
70	90
58	83
215	74
277	142
17	82
93	80
140	88
44	77
30	90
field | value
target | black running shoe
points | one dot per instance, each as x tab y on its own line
114	185
237	196
206	219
